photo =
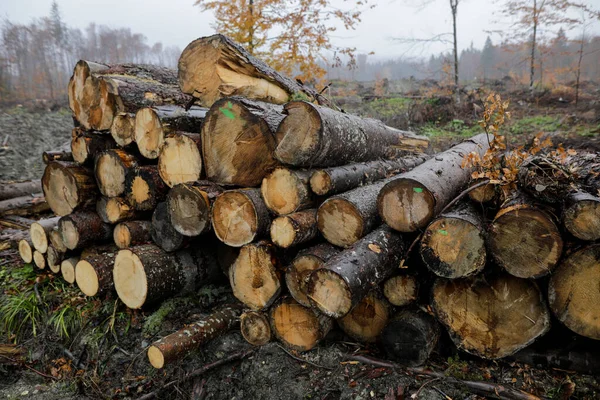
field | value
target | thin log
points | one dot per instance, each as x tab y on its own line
144	188
581	215
67	269
132	233
401	290
294	229
86	146
19	189
39	233
255	328
69	187
39	260
24	206
180	159
83	229
367	320
93	272
111	168
189	205
26	250
286	190
122	129
54	258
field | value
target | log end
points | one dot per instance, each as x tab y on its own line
87	278
110	174
298	275
401	290
156	357
234	219
122	236
79	149
329	293
298	135
39	238
122	129
149	134
140	191
340	222
366	321
281	191
53	259
60	189
255	328
582	219
130	279
70	234
296	326
25	251
406	205
483	194
189	209
67	268
39	260
283	232
179	160
320	182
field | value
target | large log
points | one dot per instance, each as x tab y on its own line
286	190
19	189
189	205
316	136
163	233
255	328
132	233
39	233
111	169
581	215
68	187
176	345
294	229
366	321
238	140
122	129
491	318
348	276
83	229
215	66
113	210
93	272
85	146
144	188
573	291
414	198
24	206
180	159
401	290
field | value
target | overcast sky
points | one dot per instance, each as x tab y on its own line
178	22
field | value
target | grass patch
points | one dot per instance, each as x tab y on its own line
454	128
534	125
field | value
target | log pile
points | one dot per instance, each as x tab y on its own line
317	210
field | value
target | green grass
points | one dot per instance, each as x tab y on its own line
534	125
454	128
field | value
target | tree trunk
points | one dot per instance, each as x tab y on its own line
20	189
144	188
413	199
401	290
366	321
23	206
296	326
348	276
189	205
238	141
26	250
132	233
83	229
113	210
49	156
93	272
163	232
312	135
39	233
86	146
524	240
534	21
69	187
294	229
122	129
330	181
112	167
240	216
286	190
54	258
180	160
491	318
581	216
67	269
178	344
573	292
255	328
39	260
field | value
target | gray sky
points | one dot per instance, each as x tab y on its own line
178	22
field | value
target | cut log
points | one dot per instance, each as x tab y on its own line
330	181
145	188
410	337
146	274
453	245
298	272
215	66
546	178
366	321
491	318
69	187
85	146
67	269
112	166
189	205
113	210
178	344
411	201
49	156
312	135
24	206
163	233
484	194
296	326
83	229
286	191
180	160
573	292
294	229
56	240
39	231
93	272
240	216
39	259
348	276
255	277
255	328
581	215
20	189
54	258
132	233
26	250
401	290
122	129
524	239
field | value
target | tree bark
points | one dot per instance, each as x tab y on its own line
401	290
49	156
39	233
132	233
286	190
93	272
83	229
366	321
189	205
113	210
122	129
315	136
180	159
111	169
144	188
581	215
163	232
24	206
20	189
255	328
69	187
86	146
294	229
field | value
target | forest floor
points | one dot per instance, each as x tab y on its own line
69	346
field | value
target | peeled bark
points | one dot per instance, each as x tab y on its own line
144	188
581	216
19	189
93	272
39	259
491	318
24	206
312	135
255	328
49	156
286	190
163	232
26	250
294	229
69	187
39	233
83	229
180	160
348	276
178	344
54	258
122	129
86	146
67	269
401	290
189	205
366	321
330	181
296	326
132	233
113	210
112	166
409	202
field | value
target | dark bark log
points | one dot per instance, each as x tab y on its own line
315	136
411	201
20	189
26	250
348	276
111	169
238	140
180	159
93	272
86	146
144	188
67	269
561	359
39	233
49	156
255	328
113	210
401	290
122	129
83	229
24	206
163	232
69	187
366	321
294	229
581	215
132	233
189	205
286	190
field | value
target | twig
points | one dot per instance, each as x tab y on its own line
464	193
30	368
303	360
412	245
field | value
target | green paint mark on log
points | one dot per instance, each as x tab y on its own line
443	232
418	190
226	112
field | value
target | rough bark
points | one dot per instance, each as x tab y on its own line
24	206
189	205
294	229
255	328
20	189
286	190
163	232
316	136
10	238
546	178
132	233
411	201
238	140
86	146
69	187
49	156
113	210
581	215
39	233
348	276
83	229
111	169
122	129
180	159
366	321
67	269
26	250
401	290
144	188
93	272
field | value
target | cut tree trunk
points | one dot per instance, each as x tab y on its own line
189	205
56	240
144	188
215	66
348	276
113	210
86	146
67	269
54	258
238	140
26	250
294	229
453	245
178	344
122	129
401	290
484	194
366	321
312	135
413	199
112	166
286	190
25	205
410	337
491	318
163	232
132	233
524	239
255	277
573	292
20	189
296	326
93	272
39	233
298	272
180	160
49	156
69	187
330	181
240	216
581	216
255	328
83	229
39	259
